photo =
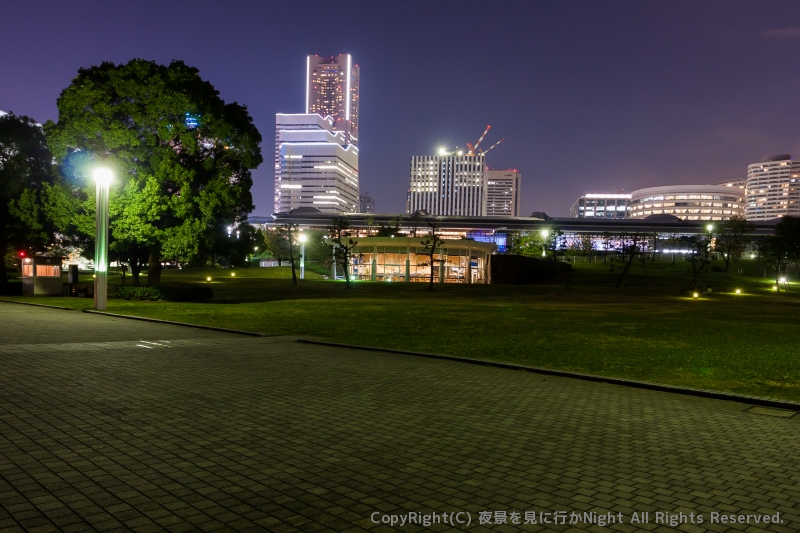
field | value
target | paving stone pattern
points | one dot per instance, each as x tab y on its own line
118	425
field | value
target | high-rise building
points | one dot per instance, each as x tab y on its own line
601	205
315	166
773	188
332	90
367	203
451	185
503	192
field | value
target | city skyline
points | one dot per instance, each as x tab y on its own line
580	106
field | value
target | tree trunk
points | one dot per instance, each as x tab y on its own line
294	275
345	261
154	269
136	269
430	287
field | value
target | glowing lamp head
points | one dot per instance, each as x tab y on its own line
695	295
738	291
302	237
710	227
208	278
545	232
102	176
233	274
783	280
442	150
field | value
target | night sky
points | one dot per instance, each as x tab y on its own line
589	96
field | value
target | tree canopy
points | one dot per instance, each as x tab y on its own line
181	155
25	169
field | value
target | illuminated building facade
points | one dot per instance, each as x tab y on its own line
332	90
405	259
315	166
773	188
600	205
503	192
688	202
448	185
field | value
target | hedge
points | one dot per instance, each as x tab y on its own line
173	294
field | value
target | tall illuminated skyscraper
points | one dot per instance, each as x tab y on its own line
332	90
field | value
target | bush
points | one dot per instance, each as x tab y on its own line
87	289
171	294
516	269
11	288
717	269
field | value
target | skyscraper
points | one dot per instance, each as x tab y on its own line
314	165
453	185
773	188
367	203
503	192
332	89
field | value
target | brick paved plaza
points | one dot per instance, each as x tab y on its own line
115	425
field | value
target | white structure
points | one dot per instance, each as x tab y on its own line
688	202
315	166
773	188
503	192
332	90
601	205
448	185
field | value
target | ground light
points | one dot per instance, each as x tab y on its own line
695	295
102	178
738	291
208	278
233	274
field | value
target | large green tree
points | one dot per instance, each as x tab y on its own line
181	155
25	170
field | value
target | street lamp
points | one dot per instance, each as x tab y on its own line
545	233
710	228
302	238
102	178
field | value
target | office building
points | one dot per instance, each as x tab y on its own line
688	202
773	188
332	90
503	192
453	185
739	183
315	166
367	203
601	205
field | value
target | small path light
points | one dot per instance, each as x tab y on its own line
738	291
695	295
233	274
208	278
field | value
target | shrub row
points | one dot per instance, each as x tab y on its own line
172	294
515	269
11	288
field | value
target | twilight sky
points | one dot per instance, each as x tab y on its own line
590	96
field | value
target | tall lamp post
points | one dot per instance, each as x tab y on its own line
302	238
102	178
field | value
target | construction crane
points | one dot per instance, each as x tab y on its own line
473	149
490	148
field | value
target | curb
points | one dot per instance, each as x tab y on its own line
173	323
690	391
40	305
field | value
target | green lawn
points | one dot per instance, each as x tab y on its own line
650	331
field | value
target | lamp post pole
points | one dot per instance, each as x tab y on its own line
302	238
102	178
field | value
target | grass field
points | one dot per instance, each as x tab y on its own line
650	331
